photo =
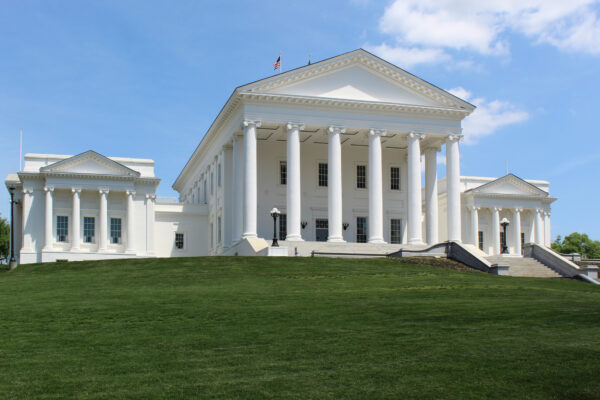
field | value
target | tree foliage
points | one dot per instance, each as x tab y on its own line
4	238
577	243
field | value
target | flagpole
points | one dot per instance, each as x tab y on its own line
279	61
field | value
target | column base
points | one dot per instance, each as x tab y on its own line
294	238
130	251
335	240
75	249
249	235
416	241
377	241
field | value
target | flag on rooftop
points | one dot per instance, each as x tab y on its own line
277	63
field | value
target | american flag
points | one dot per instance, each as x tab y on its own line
277	63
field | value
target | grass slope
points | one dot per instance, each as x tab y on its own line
293	328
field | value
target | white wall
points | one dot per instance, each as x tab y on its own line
189	219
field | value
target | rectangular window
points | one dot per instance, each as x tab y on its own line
219	230
89	229
321	230
62	228
480	239
282	226
361	176
522	241
212	182
395	178
179	241
212	235
219	174
395	231
361	229
283	173
323	174
115	230
204	191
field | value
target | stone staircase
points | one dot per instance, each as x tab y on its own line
524	266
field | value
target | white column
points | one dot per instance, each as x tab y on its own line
76	222
150	199
475	225
539	227
48	219
293	189
334	184
496	229
516	228
129	247
238	187
375	184
453	190
103	217
250	178
431	196
25	229
547	230
415	235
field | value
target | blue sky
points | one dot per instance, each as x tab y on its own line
147	78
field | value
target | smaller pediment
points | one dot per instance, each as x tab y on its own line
509	185
90	163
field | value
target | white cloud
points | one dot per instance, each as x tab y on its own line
427	27
488	117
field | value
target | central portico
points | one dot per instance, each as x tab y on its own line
337	146
341	154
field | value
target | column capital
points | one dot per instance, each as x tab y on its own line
547	213
151	196
416	135
497	209
378	132
48	188
103	191
76	190
332	129
454	137
518	210
475	208
27	191
294	125
251	122
130	192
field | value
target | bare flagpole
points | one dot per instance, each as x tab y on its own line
20	148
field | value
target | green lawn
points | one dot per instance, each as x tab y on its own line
301	328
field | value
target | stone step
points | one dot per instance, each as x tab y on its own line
524	266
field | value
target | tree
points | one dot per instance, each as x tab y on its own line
577	243
4	238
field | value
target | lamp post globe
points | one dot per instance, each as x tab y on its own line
275	213
504	223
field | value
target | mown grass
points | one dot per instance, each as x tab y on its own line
293	328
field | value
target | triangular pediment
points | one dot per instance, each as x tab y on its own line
510	185
358	76
90	163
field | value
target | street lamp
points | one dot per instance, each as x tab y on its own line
275	213
505	222
13	260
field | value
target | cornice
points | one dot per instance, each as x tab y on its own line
350	104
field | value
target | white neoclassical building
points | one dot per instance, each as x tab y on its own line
347	149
